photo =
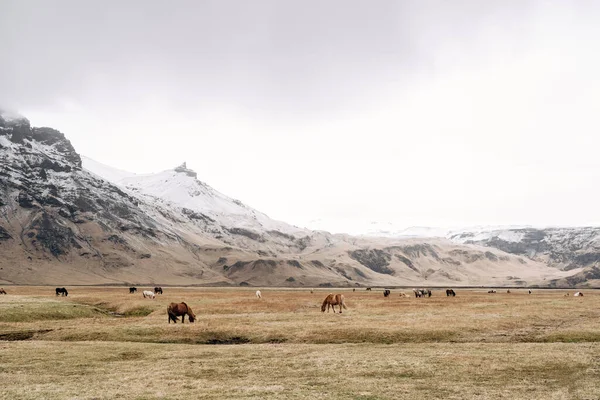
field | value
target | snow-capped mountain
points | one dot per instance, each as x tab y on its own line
62	222
564	248
180	188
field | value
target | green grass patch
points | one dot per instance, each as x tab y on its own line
31	311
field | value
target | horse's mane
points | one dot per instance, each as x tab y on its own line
326	301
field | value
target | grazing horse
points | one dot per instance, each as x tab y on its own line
491	291
148	294
333	300
132	290
578	294
369	289
508	291
62	291
529	291
422	292
175	310
2	291
450	292
402	294
386	293
158	290
258	294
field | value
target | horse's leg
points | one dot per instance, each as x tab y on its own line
183	318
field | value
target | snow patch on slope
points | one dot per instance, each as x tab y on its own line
180	189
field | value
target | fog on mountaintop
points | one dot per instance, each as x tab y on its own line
417	113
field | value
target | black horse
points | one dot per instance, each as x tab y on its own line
386	293
158	290
450	292
369	289
62	291
132	290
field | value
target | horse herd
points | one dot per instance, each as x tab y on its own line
175	310
147	293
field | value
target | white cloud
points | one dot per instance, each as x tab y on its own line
443	115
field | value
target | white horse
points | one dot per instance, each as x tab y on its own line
578	294
149	294
258	294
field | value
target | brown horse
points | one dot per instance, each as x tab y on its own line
176	309
2	291
333	300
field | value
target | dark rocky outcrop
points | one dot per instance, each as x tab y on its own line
4	235
58	239
184	170
407	262
246	232
374	259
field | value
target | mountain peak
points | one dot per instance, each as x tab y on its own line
185	170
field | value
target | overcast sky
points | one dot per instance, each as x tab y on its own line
430	113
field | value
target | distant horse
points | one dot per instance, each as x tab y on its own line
450	292
148	294
508	291
333	300
354	289
2	291
386	293
402	294
369	289
491	291
62	291
578	294
132	290
312	291
175	310
422	292
258	294
158	290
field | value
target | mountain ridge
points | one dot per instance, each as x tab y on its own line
62	223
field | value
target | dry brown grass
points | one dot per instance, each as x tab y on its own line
476	345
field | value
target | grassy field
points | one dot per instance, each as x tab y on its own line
103	343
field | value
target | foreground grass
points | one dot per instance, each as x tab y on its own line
105	343
100	370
